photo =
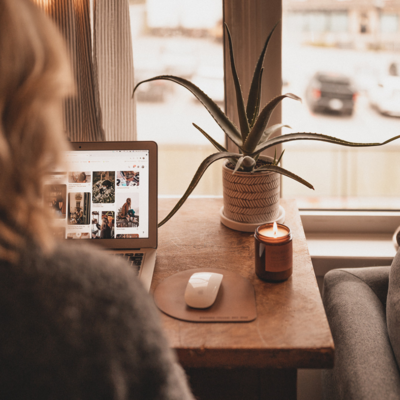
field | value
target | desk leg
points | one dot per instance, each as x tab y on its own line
243	383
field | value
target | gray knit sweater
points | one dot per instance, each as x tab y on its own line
78	325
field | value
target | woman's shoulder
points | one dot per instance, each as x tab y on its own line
90	262
80	268
77	276
92	307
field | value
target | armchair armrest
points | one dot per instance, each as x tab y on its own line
365	366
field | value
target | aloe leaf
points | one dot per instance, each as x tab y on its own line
265	158
197	176
238	164
285	172
315	136
247	162
213	142
244	125
220	118
253	101
271	130
257	130
258	101
280	158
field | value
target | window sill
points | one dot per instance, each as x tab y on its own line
349	221
329	251
349	239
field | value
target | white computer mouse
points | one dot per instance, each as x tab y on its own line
202	289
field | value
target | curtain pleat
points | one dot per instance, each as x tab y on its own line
103	67
114	59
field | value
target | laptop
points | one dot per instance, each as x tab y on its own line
108	198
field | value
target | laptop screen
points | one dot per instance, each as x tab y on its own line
104	194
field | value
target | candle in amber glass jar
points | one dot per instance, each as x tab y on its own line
273	252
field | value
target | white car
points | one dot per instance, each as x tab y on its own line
385	96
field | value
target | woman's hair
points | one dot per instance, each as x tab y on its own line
35	77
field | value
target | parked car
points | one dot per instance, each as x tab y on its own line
385	96
331	92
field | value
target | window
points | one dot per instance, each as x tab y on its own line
349	90
182	38
343	177
318	21
339	22
389	23
198	55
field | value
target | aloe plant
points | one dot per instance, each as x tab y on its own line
254	136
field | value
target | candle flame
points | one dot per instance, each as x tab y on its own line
275	230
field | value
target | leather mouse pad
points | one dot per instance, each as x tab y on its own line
235	301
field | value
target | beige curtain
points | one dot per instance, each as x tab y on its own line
114	60
98	37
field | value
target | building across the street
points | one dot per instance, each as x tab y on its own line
358	24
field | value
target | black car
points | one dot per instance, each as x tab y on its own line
331	92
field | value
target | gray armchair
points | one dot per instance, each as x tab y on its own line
363	310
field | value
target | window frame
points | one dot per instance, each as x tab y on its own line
250	22
350	221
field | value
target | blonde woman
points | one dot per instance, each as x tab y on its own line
74	324
126	207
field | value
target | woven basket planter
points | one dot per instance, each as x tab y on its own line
251	198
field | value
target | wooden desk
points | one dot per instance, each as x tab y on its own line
252	360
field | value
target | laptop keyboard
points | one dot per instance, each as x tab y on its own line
135	260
